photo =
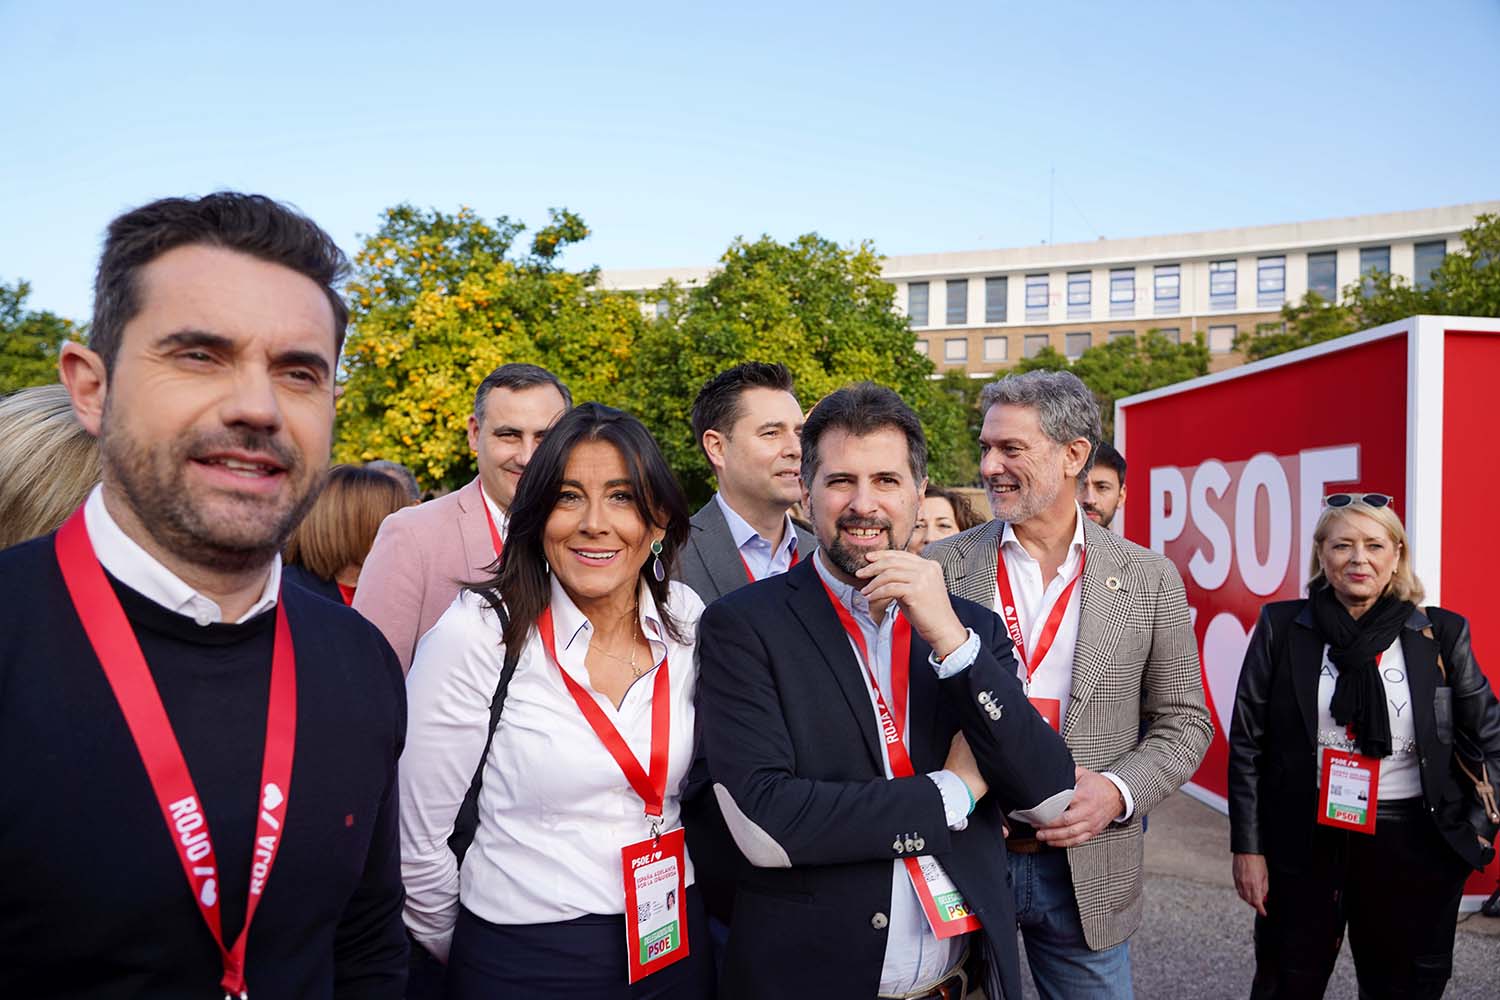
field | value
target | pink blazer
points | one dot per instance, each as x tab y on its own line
421	557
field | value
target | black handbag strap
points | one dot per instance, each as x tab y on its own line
467	821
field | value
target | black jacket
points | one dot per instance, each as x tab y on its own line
796	761
1273	747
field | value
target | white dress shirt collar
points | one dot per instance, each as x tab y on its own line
1075	547
849	595
124	559
572	629
500	517
778	558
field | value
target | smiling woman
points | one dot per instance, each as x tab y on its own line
584	762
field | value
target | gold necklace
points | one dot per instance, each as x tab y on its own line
634	671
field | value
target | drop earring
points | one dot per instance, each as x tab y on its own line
657	569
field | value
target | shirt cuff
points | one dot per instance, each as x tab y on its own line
956	798
959	660
1125	795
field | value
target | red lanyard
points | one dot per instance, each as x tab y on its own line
347	593
489	519
890	725
124	665
747	565
652	789
1012	615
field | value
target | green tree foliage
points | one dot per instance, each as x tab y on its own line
1467	283
438	301
1125	366
822	310
29	340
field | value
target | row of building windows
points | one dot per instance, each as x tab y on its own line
1223	285
997	349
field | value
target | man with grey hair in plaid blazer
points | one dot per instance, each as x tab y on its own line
1104	643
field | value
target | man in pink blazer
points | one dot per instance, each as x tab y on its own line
423	555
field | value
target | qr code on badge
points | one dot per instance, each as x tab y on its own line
643	912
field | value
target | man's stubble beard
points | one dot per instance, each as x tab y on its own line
154	484
1029	506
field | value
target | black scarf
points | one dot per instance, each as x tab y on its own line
1359	694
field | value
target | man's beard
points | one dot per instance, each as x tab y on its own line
154	482
1024	504
851	561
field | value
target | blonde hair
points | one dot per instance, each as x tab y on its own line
48	463
340	528
1404	583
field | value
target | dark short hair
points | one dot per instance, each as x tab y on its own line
863	409
520	579
516	377
1109	457
717	406
247	223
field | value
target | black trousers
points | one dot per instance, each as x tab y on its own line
581	959
1397	891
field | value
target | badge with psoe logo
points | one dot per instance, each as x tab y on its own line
1349	791
656	933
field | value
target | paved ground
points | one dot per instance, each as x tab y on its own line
1195	939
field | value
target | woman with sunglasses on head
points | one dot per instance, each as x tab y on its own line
577	883
1360	727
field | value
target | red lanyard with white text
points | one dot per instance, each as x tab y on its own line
890	725
119	653
651	788
489	518
752	575
1012	616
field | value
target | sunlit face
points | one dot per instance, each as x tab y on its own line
1024	471
935	521
595	540
515	421
759	458
1358	557
863	497
1100	494
218	413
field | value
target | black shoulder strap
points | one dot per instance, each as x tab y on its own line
467	821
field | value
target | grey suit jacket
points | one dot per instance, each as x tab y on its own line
710	562
1136	658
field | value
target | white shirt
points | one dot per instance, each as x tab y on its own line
555	808
760	556
1035	600
124	559
914	956
500	517
1400	773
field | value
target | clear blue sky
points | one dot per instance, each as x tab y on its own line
674	128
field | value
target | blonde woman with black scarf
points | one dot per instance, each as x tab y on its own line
1347	802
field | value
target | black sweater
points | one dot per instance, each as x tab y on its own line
93	900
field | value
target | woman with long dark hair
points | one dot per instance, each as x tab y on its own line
577	882
1362	753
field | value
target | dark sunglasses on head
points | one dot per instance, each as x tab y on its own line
1368	499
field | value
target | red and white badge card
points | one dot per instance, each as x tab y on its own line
1050	709
656	933
943	904
1348	791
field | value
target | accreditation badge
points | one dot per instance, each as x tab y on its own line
947	913
1349	792
1050	710
656	933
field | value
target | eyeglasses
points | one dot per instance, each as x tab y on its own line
1368	499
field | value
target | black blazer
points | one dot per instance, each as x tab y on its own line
797	766
1273	759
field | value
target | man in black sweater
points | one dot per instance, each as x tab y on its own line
199	791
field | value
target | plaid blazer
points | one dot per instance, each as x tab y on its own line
1136	658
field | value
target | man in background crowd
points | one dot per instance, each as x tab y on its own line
400	474
423	555
1106	652
748	423
1102	489
187	763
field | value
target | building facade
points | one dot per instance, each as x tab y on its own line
980	311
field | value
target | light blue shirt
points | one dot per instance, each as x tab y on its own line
763	559
914	957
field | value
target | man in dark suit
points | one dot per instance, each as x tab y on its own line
866	734
747	422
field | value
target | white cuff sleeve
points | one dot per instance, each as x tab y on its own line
1124	794
955	798
958	661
